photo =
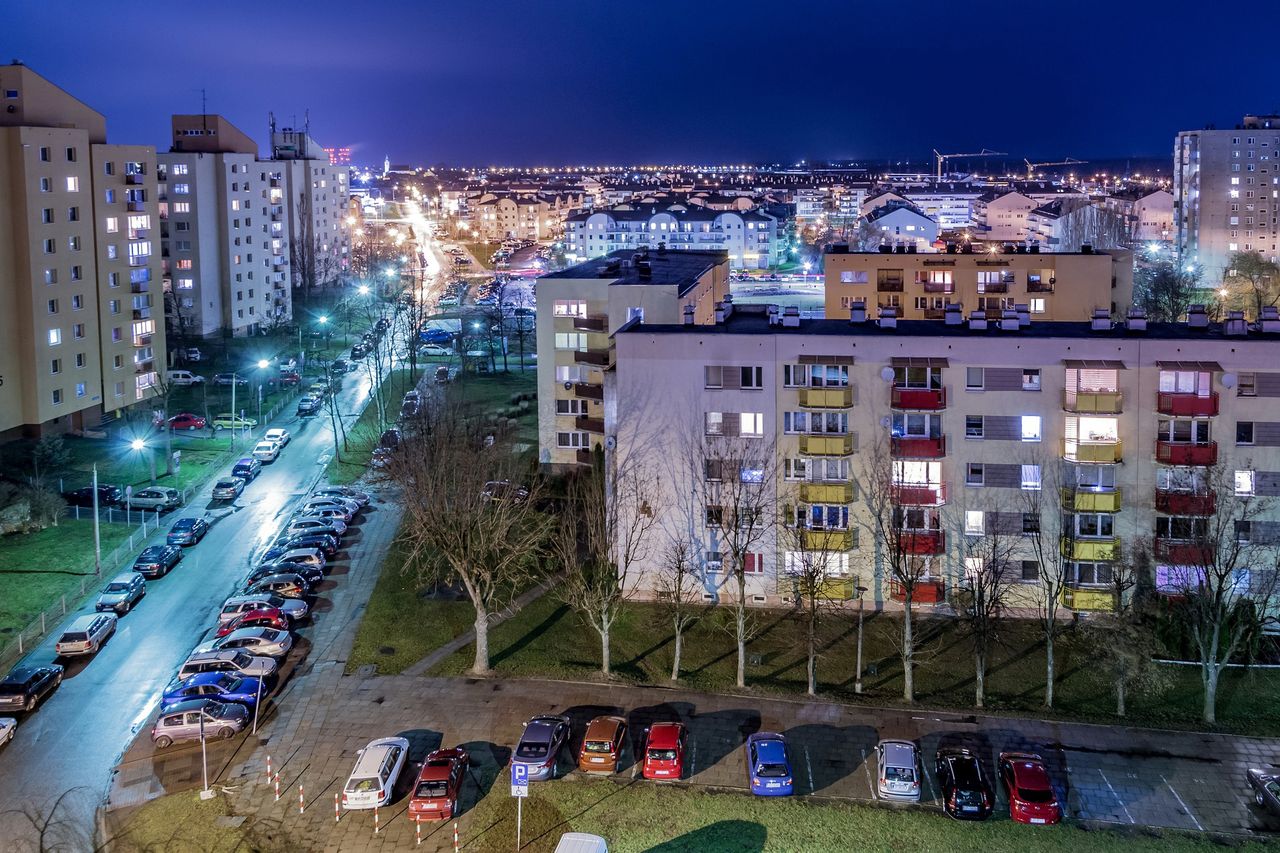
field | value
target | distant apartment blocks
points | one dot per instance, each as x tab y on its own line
749	238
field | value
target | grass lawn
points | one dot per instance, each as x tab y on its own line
481	252
37	568
549	639
491	393
185	822
363	435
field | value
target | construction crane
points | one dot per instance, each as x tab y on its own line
1031	167
942	158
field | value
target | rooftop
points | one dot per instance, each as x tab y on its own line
681	267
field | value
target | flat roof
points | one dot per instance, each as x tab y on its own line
681	267
983	255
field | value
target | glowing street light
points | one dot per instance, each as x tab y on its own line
263	363
140	445
363	290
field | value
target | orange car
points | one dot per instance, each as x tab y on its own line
439	785
602	745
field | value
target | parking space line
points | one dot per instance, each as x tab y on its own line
871	784
1176	796
1117	796
693	758
932	793
808	768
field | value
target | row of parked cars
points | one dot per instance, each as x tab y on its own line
217	689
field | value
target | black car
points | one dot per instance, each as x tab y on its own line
326	544
390	439
311	575
966	794
25	686
339	366
107	495
1266	790
383	324
308	406
359	351
156	560
187	531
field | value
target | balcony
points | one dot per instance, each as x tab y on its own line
1182	553
589	424
1090	550
1186	453
1094	402
134	178
997	287
584	456
889	286
1083	598
1090	500
1094	451
139	233
142	313
935	287
831	589
1186	503
588	391
136	206
826	398
924	591
829	541
826	445
1040	287
921	542
139	287
928	399
826	493
1187	405
595	357
591	323
919	448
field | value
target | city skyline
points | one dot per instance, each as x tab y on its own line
562	85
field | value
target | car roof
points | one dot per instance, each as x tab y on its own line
899	753
188	705
770	747
247	460
203	678
1030	773
602	728
370	760
664	735
19	674
125	577
437	765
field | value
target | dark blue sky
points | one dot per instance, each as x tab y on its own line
607	81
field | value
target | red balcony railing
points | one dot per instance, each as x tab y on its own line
919	448
918	398
1187	405
1182	553
924	591
921	542
920	494
1185	453
1186	503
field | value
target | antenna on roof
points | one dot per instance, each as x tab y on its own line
204	110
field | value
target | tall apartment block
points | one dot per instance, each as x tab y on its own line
1119	432
1226	186
579	309
1052	286
77	268
316	196
224	227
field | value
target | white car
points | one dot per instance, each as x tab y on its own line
293	608
306	556
323	508
268	642
266	451
361	498
8	726
341	503
278	435
435	349
156	497
312	520
374	777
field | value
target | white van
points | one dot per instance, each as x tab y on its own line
378	766
86	635
581	842
183	377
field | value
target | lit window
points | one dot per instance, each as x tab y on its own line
55	337
1038	306
113	224
1031	478
73	184
973	522
1030	427
1244	483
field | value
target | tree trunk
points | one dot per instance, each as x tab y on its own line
1120	695
813	659
675	663
1211	672
1049	633
168	443
481	665
908	654
741	638
979	679
605	669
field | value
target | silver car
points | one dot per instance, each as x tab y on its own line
361	498
311	523
86	635
122	593
234	661
156	497
268	642
293	608
189	720
327	512
343	503
898	765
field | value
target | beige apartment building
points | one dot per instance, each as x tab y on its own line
579	309
1106	433
315	198
78	270
1060	286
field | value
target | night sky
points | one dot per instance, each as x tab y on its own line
546	82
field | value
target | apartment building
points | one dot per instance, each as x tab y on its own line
315	201
224	229
749	238
1226	187
1147	213
1106	433
1000	216
529	215
77	263
950	204
579	308
902	224
1060	286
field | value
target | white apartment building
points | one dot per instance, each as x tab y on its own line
315	198
750	238
1226	187
902	224
946	203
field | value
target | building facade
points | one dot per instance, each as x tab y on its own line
749	238
78	263
902	224
315	202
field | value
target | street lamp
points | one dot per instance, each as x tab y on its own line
263	364
857	682
141	446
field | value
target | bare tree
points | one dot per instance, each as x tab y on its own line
1047	533
604	533
990	571
1121	641
1093	224
314	263
678	584
1252	282
1165	289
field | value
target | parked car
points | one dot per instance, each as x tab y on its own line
225	379
259	617
383	324
284	585
540	744
227	489
442	374
581	842
308	405
898	770
226	420
1266	789
264	642
390	439
247	469
107	496
1030	791
304	523
235	661
603	745
156	560
966	794
374	777
156	497
266	451
293	608
186	420
439	786
8	728
435	336
381	457
311	575
504	490
192	354
325	510
187	531
279	435
288	378
359	351
338	367
409	409
664	747
183	378
313	557
362	498
768	765
219	686
121	593
436	350
322	542
85	635
26	686
187	720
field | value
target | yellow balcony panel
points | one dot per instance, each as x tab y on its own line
1085	500
826	493
1086	598
1090	550
826	445
1099	452
831	589
826	398
1094	402
827	540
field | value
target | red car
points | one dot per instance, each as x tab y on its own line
263	617
1031	795
439	785
186	420
664	751
290	379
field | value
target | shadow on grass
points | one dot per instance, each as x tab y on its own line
738	836
529	636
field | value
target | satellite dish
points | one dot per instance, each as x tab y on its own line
568	386
886	373
610	442
884	422
1228	380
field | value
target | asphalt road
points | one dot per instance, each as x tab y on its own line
74	739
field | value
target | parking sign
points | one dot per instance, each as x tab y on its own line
519	780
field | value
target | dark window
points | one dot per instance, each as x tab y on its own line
1030	570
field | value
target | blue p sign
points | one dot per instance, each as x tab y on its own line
519	774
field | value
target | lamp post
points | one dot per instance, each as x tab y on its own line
141	446
857	681
263	364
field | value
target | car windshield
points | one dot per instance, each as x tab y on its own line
274	600
899	774
772	771
117	587
662	755
151	553
215	709
597	746
74	637
436	788
243	660
1035	795
226	484
362	786
531	750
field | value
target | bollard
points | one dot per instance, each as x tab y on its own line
337	815
301	804
455	837
268	769
64	605
277	784
375	820
42	625
417	832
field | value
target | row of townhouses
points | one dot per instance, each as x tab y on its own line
750	238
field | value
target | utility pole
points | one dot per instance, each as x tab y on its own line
97	538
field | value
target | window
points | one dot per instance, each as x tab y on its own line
1030	379
573	439
45	154
1246	385
571	341
113	224
50	276
53	306
77	302
714	515
73	184
853	277
55	366
752	424
1030	427
1030	523
733	377
795	469
57	396
45	185
77	272
1031	478
1244	484
1030	572
973	378
715	423
113	306
571	407
181	189
50	246
973	474
77	331
974	523
79	389
73	214
1244	432
46	216
1088	574
973	426
749	474
795	375
55	337
1095	525
80	359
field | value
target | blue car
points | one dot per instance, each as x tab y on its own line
436	336
187	531
768	767
219	686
